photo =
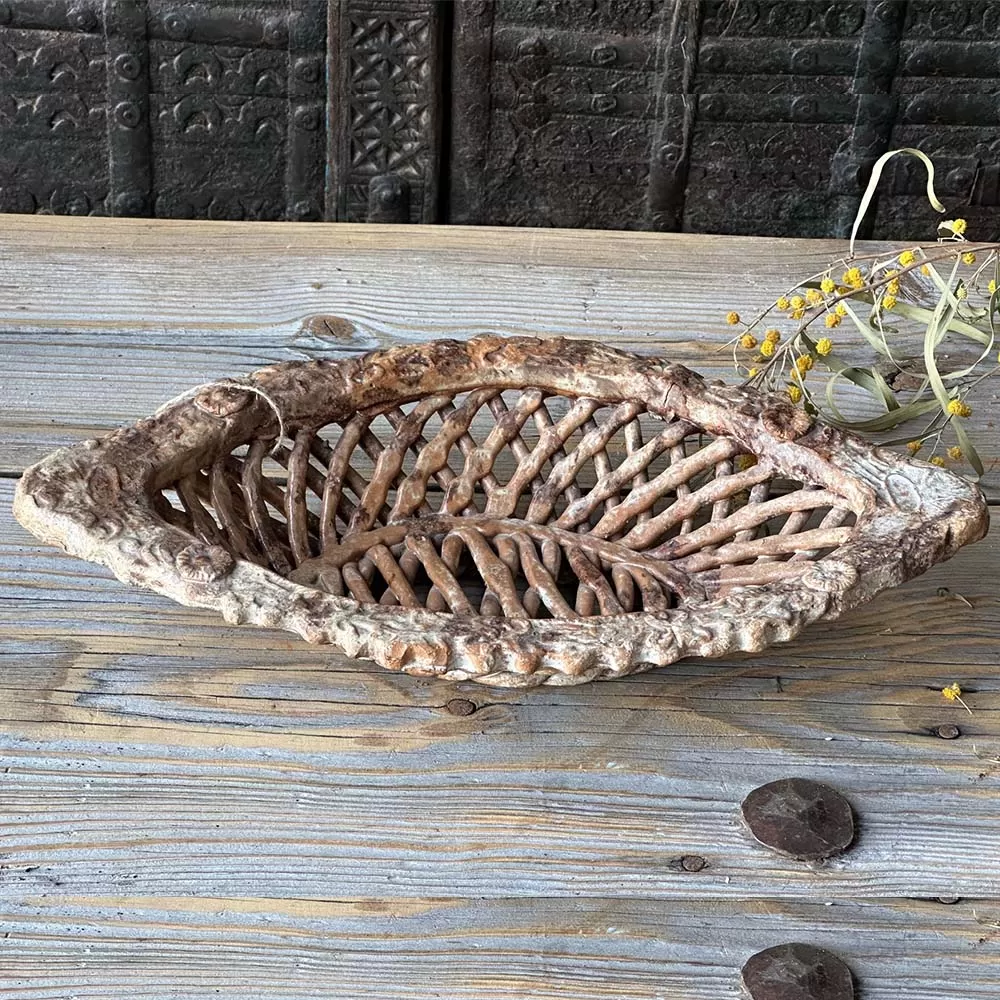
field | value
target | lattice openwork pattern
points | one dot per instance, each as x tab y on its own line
521	504
515	512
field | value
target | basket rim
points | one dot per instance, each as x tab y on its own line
94	500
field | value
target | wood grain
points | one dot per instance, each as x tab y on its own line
190	809
553	949
104	320
227	745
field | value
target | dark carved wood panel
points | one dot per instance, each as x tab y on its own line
739	116
947	87
386	105
554	111
776	105
153	107
236	109
53	107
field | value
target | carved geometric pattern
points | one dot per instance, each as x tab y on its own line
53	118
386	94
390	94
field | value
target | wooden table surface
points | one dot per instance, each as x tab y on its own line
189	809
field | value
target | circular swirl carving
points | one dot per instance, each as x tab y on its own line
82	18
128	66
176	25
307	119
307	70
128	114
203	563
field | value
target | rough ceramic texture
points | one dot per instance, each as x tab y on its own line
187	503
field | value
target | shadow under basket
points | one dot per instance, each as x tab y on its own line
511	511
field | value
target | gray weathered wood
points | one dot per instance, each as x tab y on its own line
190	809
228	744
553	949
104	320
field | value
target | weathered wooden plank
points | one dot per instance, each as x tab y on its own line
104	320
240	755
627	949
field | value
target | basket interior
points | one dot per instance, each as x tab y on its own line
519	503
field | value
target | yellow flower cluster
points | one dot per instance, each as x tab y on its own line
892	287
938	461
813	296
952	692
797	302
888	301
767	349
914	446
991	287
968	258
907	257
803	363
794	393
748	341
827	285
782	303
955	452
853	278
957	226
732	318
772	336
831	320
840	309
959	408
823	346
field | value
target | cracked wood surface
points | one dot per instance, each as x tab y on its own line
188	808
551	949
226	745
104	320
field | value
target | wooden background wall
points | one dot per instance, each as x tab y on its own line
726	116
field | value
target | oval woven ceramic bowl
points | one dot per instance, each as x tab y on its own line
516	512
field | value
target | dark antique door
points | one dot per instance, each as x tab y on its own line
740	116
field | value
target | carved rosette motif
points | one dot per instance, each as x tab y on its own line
103	501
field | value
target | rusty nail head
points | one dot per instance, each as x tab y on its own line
803	819
797	972
460	706
948	732
693	862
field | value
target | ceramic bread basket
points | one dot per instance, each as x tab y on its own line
511	511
